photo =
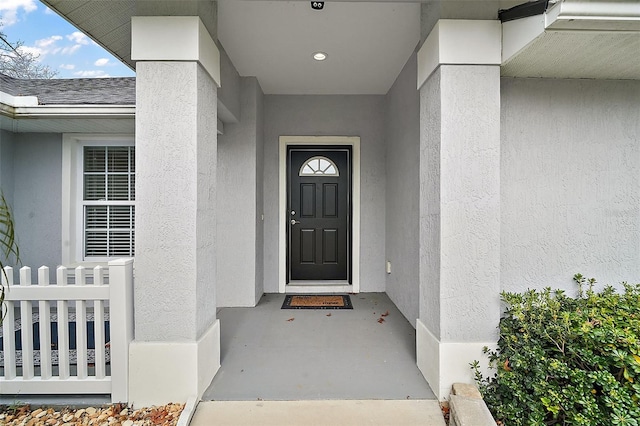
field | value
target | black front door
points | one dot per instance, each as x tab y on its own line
319	212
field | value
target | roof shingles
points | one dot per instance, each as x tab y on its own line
77	91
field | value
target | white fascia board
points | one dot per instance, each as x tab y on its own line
18	101
174	38
597	9
68	111
429	55
519	33
460	42
76	111
597	15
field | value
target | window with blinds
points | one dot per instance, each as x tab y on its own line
108	201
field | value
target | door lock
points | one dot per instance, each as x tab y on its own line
293	212
293	221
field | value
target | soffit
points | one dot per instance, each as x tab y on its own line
567	54
596	39
108	23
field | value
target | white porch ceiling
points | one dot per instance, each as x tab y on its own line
367	44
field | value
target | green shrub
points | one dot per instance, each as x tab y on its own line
567	361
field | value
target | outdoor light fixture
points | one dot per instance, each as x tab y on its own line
317	5
319	56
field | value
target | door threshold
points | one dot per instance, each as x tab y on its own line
298	287
323	282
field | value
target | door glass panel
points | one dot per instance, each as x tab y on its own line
319	166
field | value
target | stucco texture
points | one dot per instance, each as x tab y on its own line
470	203
37	166
176	158
402	136
239	198
6	164
330	116
429	267
460	188
259	218
570	160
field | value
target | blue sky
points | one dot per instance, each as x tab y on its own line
60	45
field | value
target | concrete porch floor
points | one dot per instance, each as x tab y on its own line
274	354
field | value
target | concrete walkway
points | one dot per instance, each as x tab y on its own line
319	413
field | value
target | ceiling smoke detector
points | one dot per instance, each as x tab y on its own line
317	5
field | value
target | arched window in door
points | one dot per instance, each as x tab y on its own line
319	166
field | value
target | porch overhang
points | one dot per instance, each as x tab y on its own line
22	114
598	39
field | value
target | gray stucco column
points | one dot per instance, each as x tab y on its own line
176	351
459	82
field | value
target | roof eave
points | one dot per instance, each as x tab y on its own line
68	111
569	16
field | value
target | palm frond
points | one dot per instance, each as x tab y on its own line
8	246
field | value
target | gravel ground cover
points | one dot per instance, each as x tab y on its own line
113	415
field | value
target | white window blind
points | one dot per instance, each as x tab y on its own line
108	201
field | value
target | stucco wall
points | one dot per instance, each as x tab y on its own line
469	202
176	202
36	200
259	249
239	201
460	202
430	229
6	164
402	139
333	116
6	172
570	185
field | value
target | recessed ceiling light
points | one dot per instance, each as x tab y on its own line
319	56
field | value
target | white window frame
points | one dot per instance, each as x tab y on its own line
320	159
72	195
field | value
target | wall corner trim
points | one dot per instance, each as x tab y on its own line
174	38
173	370
460	42
444	363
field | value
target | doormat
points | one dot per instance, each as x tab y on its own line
324	301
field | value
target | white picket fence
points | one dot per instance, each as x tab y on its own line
79	296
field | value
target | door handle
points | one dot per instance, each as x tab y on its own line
293	221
